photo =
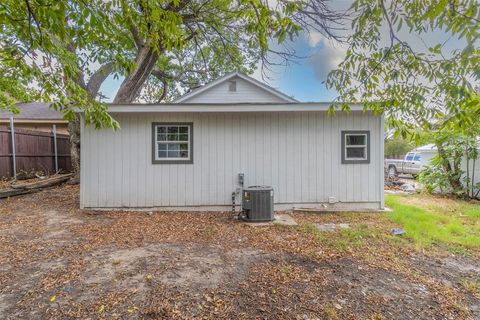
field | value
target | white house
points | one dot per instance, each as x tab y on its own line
187	155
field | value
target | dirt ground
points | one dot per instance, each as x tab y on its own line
58	262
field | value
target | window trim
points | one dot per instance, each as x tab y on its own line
345	160
177	160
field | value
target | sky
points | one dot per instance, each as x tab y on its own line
304	78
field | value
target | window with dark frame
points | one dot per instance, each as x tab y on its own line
172	143
355	147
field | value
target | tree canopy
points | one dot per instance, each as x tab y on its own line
62	51
400	61
397	147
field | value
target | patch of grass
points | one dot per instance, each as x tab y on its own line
449	206
472	286
311	229
287	270
472	211
209	232
283	227
341	239
356	236
330	313
356	233
328	239
428	225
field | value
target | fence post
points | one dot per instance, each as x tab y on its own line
14	161
55	147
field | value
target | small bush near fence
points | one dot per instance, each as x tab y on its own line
34	152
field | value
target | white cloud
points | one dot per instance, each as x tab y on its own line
326	58
314	38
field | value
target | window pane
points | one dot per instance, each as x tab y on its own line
183	137
409	157
184	146
356	152
173	154
161	129
417	157
172	129
162	154
183	154
173	146
161	137
352	140
172	137
183	129
162	147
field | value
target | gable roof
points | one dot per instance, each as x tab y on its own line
240	75
33	111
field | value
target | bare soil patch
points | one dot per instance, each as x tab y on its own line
59	262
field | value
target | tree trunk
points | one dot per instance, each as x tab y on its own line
133	83
128	92
74	130
453	179
473	178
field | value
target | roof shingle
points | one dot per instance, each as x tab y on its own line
33	110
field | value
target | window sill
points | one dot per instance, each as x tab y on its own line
364	161
172	161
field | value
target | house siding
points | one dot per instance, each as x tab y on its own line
298	153
246	93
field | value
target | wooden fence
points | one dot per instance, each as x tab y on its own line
34	151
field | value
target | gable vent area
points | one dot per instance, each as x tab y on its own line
232	86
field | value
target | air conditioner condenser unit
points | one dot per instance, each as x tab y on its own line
257	203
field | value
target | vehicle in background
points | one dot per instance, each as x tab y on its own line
413	162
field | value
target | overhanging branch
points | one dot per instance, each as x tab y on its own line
139	42
98	78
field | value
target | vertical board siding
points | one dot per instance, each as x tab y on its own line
298	153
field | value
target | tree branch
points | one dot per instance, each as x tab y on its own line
163	78
98	78
164	90
80	78
139	42
31	14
